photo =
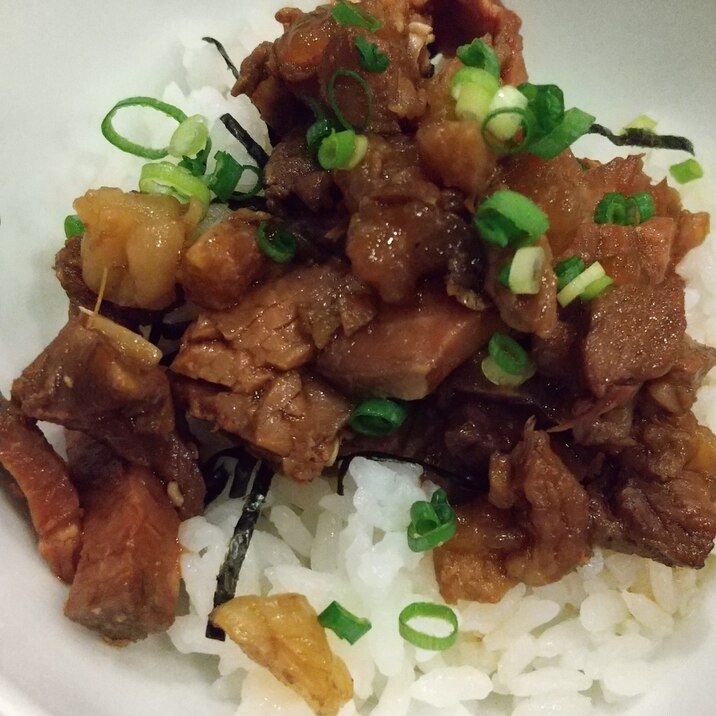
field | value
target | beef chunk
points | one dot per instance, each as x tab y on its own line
635	334
218	268
406	351
43	479
87	382
127	581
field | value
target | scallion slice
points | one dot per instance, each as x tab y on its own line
686	171
227	172
370	57
546	103
431	523
568	270
345	625
509	217
596	287
317	132
640	207
342	150
526	270
643	121
497	376
575	123
189	137
504	123
346	13
127	145
612	209
504	276
473	102
276	243
508	354
423	639
176	181
377	417
239	195
524	117
466	76
334	104
197	165
73	226
479	54
580	283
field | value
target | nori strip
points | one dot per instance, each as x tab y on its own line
256	151
643	138
224	54
228	575
216	473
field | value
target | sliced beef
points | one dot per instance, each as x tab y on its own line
218	268
406	351
556	513
42	477
293	419
87	382
635	334
127	581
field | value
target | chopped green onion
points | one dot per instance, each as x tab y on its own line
176	181
479	54
568	270
612	209
334	104
504	276
508	354
238	195
189	137
73	226
275	242
580	283
525	119
431	523
370	57
596	287
686	171
509	217
473	76
197	165
575	123
473	102
345	625
345	13
317	132
526	270
504	124
377	417
546	103
127	145
497	376
643	121
640	207
422	639
342	150
227	172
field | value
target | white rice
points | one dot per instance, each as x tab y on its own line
559	650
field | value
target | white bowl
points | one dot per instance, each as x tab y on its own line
63	64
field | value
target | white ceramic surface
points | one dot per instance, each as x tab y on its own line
62	64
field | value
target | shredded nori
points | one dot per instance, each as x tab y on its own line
228	576
643	138
224	54
217	474
255	150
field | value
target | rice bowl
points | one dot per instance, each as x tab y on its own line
569	632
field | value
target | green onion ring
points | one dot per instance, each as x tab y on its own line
508	354
276	243
640	208
431	523
575	123
687	171
377	417
127	145
566	271
173	180
528	122
255	189
345	13
611	209
596	287
479	54
334	104
431	611
508	217
227	172
344	624
73	226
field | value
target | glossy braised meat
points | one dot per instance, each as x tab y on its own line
42	478
127	581
85	381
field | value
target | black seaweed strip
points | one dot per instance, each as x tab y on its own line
643	138
228	575
168	358
224	54
256	152
174	331
155	333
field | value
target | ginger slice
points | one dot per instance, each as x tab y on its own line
282	634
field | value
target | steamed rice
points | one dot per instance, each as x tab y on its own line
561	649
